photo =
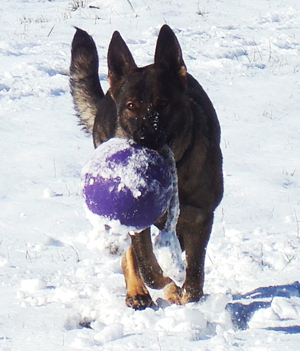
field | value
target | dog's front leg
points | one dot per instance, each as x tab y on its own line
194	228
149	268
140	267
137	295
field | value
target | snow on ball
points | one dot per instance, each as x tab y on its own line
127	183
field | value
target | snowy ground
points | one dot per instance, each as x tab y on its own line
57	290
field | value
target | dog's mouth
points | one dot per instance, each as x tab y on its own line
153	140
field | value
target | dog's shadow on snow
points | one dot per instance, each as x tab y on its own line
242	310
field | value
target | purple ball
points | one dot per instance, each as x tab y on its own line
127	182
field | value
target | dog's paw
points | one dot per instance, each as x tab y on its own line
139	302
181	296
190	294
173	293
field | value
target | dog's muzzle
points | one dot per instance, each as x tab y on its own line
151	133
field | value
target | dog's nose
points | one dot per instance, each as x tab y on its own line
153	139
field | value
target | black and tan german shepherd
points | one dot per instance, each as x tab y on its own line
156	105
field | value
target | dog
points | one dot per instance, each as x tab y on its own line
156	105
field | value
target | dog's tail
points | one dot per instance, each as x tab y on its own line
84	80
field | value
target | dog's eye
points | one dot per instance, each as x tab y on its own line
130	106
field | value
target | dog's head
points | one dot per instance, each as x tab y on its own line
150	101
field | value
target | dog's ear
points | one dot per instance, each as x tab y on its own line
119	59
168	55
